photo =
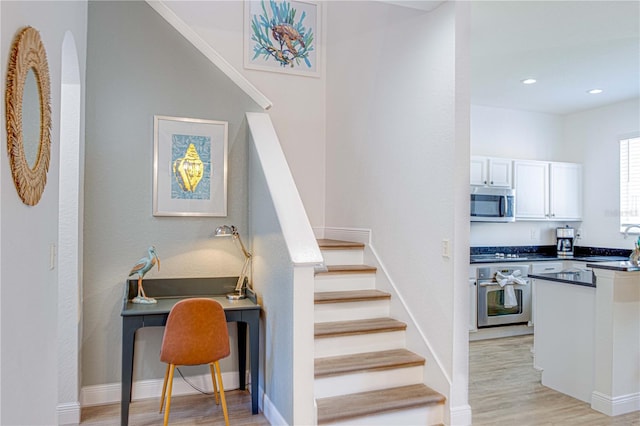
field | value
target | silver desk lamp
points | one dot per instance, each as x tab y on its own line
232	231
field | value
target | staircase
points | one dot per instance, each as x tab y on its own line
363	372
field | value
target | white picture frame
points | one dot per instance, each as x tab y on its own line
283	36
189	167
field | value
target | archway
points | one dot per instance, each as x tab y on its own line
70	236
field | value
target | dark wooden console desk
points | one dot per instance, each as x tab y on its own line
168	292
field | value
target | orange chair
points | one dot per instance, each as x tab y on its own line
196	333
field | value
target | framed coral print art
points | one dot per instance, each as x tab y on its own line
189	167
282	36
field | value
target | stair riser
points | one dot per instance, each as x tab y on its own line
367	381
431	415
344	282
352	344
327	312
343	257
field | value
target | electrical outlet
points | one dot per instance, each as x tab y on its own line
579	234
533	234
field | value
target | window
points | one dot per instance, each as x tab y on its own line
630	184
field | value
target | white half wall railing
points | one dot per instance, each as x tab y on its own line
301	241
289	283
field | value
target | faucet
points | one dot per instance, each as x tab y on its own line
628	228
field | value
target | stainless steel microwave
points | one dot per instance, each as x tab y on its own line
492	204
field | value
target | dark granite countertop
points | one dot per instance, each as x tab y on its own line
622	266
543	254
583	278
543	258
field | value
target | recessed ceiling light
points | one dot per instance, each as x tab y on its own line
529	81
594	91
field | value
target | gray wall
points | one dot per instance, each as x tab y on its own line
28	286
273	281
138	67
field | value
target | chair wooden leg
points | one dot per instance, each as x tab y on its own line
164	388
215	386
168	406
224	401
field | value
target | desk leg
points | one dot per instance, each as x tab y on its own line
254	346
129	327
242	353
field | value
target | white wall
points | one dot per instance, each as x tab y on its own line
392	146
592	136
298	111
133	74
508	133
28	287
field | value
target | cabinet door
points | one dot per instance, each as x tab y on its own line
531	183
546	267
500	172
566	191
478	170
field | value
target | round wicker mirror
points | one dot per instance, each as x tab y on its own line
28	57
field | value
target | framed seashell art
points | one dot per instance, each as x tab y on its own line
28	115
189	167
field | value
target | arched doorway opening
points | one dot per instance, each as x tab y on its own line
70	213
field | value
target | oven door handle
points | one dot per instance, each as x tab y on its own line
488	284
493	283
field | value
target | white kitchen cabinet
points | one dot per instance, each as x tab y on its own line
531	183
548	190
565	193
572	264
491	171
540	268
546	267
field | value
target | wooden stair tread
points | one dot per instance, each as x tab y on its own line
344	407
328	244
346	328
367	361
347	269
349	296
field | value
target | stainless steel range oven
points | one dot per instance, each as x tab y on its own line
504	295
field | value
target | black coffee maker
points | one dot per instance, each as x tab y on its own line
565	238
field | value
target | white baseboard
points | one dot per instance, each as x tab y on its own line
111	392
499	332
68	413
348	234
460	416
318	232
617	405
270	412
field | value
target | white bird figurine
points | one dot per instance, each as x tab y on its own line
143	266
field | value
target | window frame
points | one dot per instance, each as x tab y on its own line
630	170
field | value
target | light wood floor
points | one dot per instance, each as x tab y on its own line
185	410
504	390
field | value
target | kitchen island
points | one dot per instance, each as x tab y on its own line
587	334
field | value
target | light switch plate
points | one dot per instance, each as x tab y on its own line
445	248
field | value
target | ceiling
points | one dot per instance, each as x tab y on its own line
568	46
